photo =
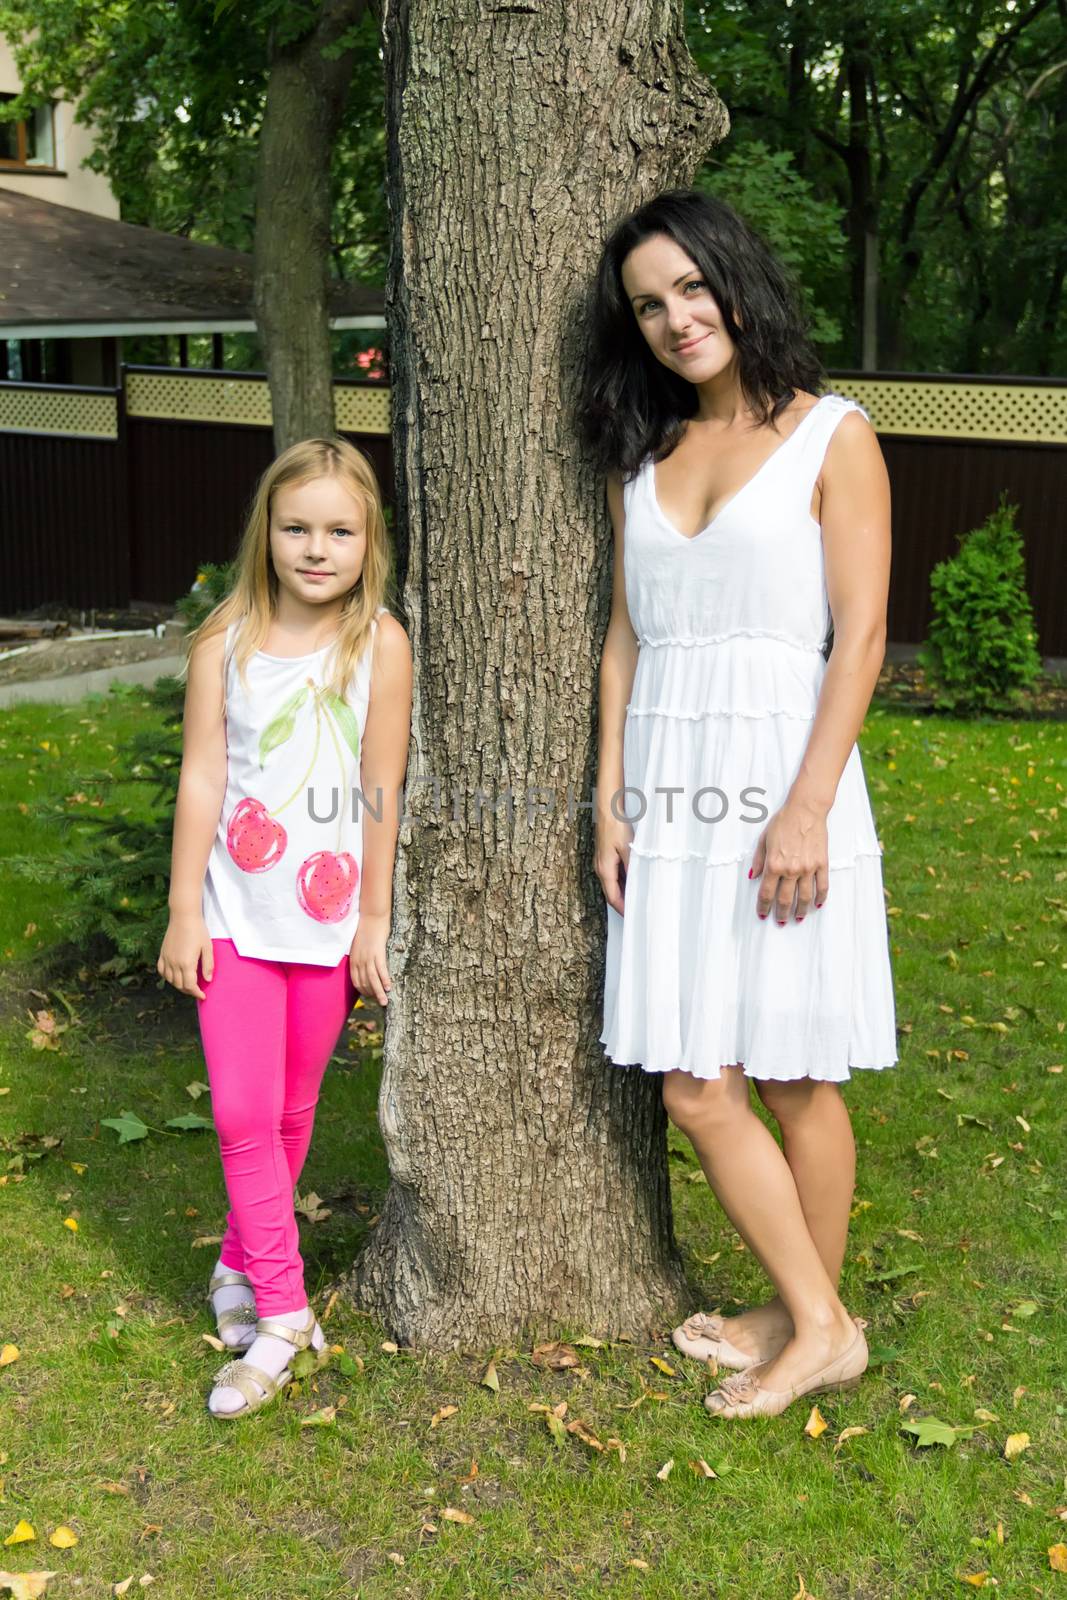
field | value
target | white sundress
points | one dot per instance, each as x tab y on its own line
732	625
283	875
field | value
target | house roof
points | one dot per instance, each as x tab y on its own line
67	273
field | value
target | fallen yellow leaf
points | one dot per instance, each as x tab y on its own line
1057	1557
69	1222
22	1533
977	1580
642	1566
848	1433
439	1416
8	1354
816	1423
666	1470
453	1514
1014	1445
25	1585
389	1347
63	1538
663	1366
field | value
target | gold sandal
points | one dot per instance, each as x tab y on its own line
243	1376
243	1315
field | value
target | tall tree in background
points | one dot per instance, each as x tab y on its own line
529	1176
310	58
230	121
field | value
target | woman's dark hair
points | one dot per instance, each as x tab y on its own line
629	403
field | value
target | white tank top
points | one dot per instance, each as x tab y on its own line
283	876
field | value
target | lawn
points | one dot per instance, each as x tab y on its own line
395	1473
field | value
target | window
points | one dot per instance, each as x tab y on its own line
29	142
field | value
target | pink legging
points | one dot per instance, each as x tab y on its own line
268	1029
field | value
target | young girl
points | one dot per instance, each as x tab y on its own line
751	515
297	717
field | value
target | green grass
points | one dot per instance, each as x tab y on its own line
956	1257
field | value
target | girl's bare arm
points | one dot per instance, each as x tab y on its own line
383	762
618	663
201	791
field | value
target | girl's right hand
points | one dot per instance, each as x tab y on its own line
613	840
185	943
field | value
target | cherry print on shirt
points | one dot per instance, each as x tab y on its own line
326	881
255	841
325	885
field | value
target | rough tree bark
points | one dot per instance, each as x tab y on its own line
529	1176
306	95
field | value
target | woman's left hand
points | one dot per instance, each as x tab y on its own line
793	855
366	959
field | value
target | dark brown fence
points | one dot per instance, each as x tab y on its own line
111	496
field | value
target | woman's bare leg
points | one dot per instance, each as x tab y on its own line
756	1187
819	1147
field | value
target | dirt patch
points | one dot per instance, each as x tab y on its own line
79	651
904	685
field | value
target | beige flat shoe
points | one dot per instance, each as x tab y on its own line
701	1336
237	1316
244	1376
743	1395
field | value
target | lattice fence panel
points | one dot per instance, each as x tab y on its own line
1007	414
60	411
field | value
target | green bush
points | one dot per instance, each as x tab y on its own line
981	651
116	863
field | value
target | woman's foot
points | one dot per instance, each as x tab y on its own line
832	1357
234	1304
739	1342
268	1356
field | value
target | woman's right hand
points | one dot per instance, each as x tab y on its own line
614	836
185	943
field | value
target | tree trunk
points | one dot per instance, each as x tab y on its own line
529	1176
306	95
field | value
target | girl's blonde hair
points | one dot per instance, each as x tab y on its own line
252	602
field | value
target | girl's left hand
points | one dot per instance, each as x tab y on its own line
366	959
794	857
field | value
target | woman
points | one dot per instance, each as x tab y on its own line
751	516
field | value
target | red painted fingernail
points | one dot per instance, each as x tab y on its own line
763	915
800	919
750	872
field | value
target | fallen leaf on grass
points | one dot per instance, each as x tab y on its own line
905	1402
702	1469
1014	1445
71	1223
665	1471
589	1343
441	1414
977	1580
128	1126
663	1366
216	1344
204	1240
453	1514
25	1585
556	1356
931	1430
1057	1557
63	1538
490	1379
110	1487
8	1354
848	1433
22	1533
803	1592
582	1431
319	1419
816	1423
311	1208
390	1348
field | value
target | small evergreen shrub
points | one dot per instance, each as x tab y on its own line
981	650
116	862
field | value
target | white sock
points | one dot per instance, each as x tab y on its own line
271	1355
233	1294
